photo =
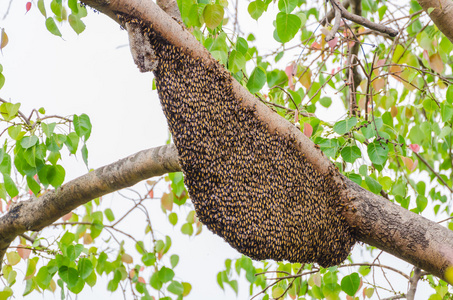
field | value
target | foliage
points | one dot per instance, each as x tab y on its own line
395	139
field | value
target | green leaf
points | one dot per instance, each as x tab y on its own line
28	141
15	132
84	151
287	6
57	8
55	175
257	80
364	270
109	214
73	251
422	202
213	15
42	8
350	284
176	288
236	61
155	282
446	112
256	9
82	126
430	105
77	25
43	278
173	218
10	186
351	153
5	165
9	110
355	178
85	268
187	229
219	48
149	259
96	229
373	185
344	126
287	26
166	274
33	185
325	101
2	80
450	94
174	259
378	153
72	4
52	27
13	258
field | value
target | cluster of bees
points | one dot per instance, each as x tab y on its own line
248	185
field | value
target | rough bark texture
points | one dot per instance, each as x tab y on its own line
39	212
398	231
442	15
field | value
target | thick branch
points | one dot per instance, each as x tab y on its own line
398	231
39	212
442	15
364	22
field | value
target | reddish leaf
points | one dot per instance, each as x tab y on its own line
393	111
290	70
333	43
308	130
436	63
132	273
378	84
23	252
305	79
141	279
167	201
87	239
151	194
414	147
27	7
67	216
126	258
316	46
409	163
425	55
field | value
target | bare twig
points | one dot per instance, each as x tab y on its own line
433	171
336	25
413	283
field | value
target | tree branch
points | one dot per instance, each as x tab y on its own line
364	22
37	213
442	15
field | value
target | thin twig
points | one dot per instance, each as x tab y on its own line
432	170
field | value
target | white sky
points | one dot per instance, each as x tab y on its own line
94	74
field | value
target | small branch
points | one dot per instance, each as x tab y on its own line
336	25
331	14
433	171
364	22
413	283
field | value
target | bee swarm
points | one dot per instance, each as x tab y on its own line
249	185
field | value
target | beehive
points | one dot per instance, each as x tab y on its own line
248	185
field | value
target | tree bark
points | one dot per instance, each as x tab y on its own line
37	213
442	15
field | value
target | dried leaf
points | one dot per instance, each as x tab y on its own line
436	63
3	39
